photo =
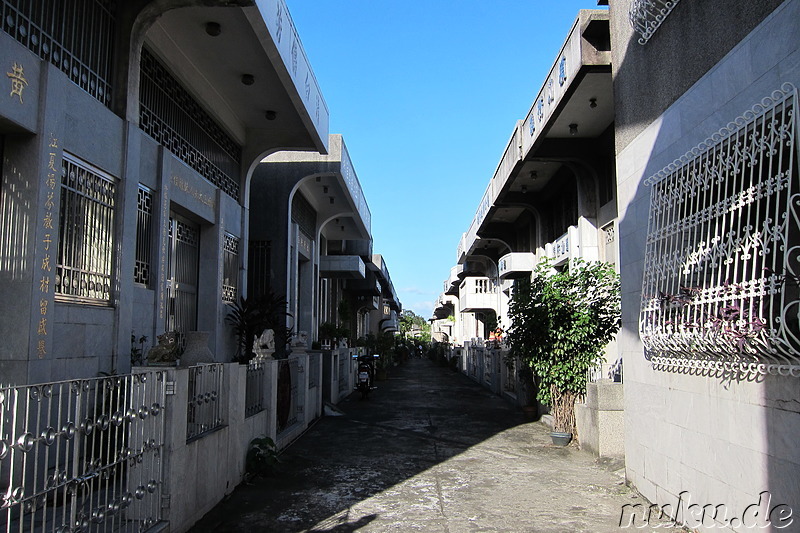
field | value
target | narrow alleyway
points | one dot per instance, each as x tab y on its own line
429	451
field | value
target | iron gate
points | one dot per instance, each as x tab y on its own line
183	262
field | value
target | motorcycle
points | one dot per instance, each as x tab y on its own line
365	374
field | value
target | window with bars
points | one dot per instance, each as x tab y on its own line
169	114
86	234
230	269
76	36
720	284
258	267
144	236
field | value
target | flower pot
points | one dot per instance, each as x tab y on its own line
560	438
196	349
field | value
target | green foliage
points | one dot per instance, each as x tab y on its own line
416	325
262	457
561	322
249	317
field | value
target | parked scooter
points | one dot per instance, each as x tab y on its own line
365	376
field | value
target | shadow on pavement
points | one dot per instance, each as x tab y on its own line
423	415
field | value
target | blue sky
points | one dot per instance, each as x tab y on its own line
426	95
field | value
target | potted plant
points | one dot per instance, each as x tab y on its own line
561	322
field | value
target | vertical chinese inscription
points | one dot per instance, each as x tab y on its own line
162	265
18	81
45	282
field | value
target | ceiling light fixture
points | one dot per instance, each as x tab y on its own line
270	114
573	129
331	198
248	79
213	28
524	189
592	102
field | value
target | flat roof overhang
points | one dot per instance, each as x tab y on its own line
249	43
573	106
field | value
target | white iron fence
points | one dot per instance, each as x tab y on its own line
73	454
117	453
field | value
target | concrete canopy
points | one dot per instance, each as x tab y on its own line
265	96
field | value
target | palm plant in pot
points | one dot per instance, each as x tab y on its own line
561	322
249	317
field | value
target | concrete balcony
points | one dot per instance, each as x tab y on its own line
369	286
565	247
478	294
342	267
516	265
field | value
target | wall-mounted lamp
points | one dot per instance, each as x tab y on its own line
573	129
213	28
592	102
324	189
534	174
342	228
331	199
271	115
524	189
248	79
336	221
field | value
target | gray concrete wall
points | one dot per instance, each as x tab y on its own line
693	38
727	440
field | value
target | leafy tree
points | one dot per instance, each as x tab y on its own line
410	321
560	324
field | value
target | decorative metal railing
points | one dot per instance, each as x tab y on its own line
254	388
76	37
171	116
603	371
82	455
204	407
646	16
721	285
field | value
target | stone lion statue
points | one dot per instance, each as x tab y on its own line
264	345
166	351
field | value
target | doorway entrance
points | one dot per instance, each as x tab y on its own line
182	274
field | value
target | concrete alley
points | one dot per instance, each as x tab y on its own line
428	451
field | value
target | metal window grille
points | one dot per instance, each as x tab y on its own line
86	233
254	388
144	236
646	16
720	285
204	409
171	116
76	37
258	267
83	455
304	215
230	269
